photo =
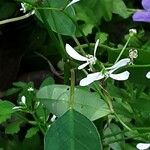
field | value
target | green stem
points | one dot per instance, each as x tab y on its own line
48	8
71	98
123	49
128	128
133	10
38	122
53	70
122	132
53	36
25	119
126	138
100	45
79	45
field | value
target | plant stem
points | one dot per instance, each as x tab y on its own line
52	35
38	122
53	70
126	138
123	49
79	45
71	98
17	18
133	10
121	132
100	45
128	128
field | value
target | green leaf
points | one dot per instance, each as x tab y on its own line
120	8
72	131
55	98
31	132
106	7
11	91
89	14
102	36
20	84
13	127
48	81
5	110
110	130
58	18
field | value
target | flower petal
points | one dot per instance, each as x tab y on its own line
119	64
91	78
143	146
95	48
23	100
146	4
120	76
53	118
72	2
142	16
148	75
83	65
72	53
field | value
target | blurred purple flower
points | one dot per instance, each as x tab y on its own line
143	15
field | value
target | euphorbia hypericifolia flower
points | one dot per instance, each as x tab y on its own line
143	15
88	59
108	72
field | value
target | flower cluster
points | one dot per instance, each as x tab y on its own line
108	72
104	73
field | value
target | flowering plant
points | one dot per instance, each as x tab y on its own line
62	91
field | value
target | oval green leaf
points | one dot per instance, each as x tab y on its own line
55	98
72	131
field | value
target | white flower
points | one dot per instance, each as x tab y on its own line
148	75
143	146
72	2
88	59
132	32
18	108
30	89
53	118
108	72
23	7
23	100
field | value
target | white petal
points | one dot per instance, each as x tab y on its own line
120	76
83	65
23	100
53	118
91	78
30	89
119	64
72	2
72	53
143	146
95	48
148	75
23	8
17	108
